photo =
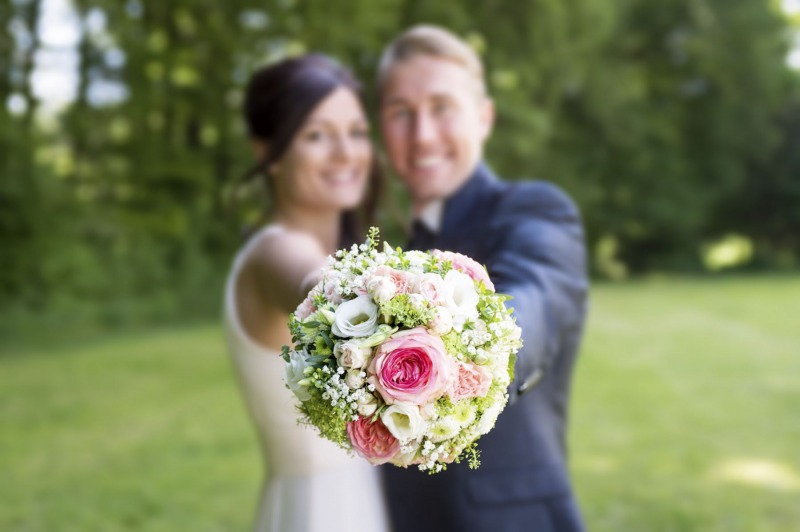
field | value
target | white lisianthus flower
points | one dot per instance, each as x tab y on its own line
351	354
488	418
462	300
403	421
294	373
442	321
356	318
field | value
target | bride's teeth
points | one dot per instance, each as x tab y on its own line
342	177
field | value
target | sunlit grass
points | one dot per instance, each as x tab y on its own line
684	418
133	433
686	406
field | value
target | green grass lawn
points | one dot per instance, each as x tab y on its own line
686	416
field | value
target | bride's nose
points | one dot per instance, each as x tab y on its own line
343	148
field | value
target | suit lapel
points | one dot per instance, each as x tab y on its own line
465	212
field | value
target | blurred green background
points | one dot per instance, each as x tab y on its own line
674	124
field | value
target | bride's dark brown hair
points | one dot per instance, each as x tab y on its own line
279	98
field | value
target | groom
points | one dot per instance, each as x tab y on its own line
435	118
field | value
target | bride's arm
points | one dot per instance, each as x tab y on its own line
286	267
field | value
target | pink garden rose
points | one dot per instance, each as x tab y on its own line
472	381
372	440
411	367
466	265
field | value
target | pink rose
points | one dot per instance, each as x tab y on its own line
472	381
411	367
305	309
431	287
466	265
399	279
372	440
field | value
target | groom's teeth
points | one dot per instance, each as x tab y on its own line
427	162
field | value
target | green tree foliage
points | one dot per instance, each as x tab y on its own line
672	123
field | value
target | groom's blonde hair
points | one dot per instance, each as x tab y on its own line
432	41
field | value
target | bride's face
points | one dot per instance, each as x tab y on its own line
328	161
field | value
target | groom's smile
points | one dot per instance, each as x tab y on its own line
434	122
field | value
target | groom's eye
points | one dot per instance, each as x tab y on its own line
441	106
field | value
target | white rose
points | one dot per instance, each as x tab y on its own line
294	373
462	300
442	321
417	301
356	318
367	405
403	421
381	288
351	355
354	379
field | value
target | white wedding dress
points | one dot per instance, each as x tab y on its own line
311	484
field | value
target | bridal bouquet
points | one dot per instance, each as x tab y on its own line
403	357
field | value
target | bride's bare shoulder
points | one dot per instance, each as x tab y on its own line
288	246
283	263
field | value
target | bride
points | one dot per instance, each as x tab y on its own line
310	134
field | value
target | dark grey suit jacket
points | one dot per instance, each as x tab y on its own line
530	238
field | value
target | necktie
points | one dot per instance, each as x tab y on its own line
422	238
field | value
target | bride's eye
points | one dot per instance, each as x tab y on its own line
314	135
359	133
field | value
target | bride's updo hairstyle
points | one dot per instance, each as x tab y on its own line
278	99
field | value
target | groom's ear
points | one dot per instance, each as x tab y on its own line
486	113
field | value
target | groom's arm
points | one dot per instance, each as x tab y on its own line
540	260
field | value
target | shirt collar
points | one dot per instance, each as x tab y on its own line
431	215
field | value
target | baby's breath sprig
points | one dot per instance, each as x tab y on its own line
373	237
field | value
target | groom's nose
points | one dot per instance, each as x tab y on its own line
424	128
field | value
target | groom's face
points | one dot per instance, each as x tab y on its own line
434	122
